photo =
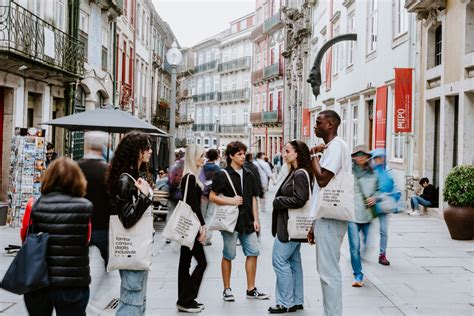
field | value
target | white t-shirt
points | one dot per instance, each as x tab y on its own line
331	161
241	174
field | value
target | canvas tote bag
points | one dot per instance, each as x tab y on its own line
336	199
183	225
132	248
299	221
225	216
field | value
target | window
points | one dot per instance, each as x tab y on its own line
272	56
206	141
355	119
83	39
246	115
199	116
207	116
208	56
400	18
323	62
372	29
257	103
398	141
139	20
207	85
224	116
199	86
257	59
271	102
83	22
125	8
247	50
60	14
438	45
105	41
234	83
264	102
198	141
350	44
344	114
224	56
224	84
246	83
233	117
336	52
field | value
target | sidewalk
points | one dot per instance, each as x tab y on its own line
430	274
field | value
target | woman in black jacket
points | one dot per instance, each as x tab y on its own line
191	186
286	257
65	215
130	200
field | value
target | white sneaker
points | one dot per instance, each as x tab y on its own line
415	213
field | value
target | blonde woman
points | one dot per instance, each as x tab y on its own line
189	284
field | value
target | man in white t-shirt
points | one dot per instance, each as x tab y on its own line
328	232
265	175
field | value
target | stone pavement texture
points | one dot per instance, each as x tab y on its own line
430	274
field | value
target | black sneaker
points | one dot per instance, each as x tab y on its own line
299	306
189	309
228	296
279	309
199	304
255	294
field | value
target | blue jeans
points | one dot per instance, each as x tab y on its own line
353	233
286	259
249	243
383	232
132	293
415	200
329	234
67	301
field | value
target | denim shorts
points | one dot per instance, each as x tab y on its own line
249	243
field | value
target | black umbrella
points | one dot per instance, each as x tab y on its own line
107	120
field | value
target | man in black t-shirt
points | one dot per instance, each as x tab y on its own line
247	223
427	198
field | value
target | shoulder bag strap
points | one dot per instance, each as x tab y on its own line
230	181
186	188
309	181
129	175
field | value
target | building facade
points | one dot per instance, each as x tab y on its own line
267	78
352	72
444	87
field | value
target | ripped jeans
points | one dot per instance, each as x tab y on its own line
132	293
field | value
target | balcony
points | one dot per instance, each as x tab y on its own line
273	71
233	95
257	76
204	127
256	118
206	67
157	61
271	117
24	35
272	23
125	95
233	129
234	65
205	97
257	34
116	5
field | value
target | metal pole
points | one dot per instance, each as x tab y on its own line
172	115
218	141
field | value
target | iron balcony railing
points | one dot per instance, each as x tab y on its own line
211	127
257	76
235	64
204	97
206	67
271	116
272	22
233	95
256	118
233	129
274	70
27	35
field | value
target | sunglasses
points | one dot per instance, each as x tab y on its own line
161	173
359	154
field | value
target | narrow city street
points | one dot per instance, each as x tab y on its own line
430	274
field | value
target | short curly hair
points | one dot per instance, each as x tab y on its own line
126	158
232	149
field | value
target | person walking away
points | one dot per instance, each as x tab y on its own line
205	176
286	255
249	165
130	201
94	169
429	197
63	213
272	167
365	188
329	233
189	284
247	223
265	175
386	184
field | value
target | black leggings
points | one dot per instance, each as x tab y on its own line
189	284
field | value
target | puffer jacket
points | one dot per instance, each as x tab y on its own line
66	219
129	202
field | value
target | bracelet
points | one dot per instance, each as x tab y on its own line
313	156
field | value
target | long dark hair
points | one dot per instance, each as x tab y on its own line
126	158
303	160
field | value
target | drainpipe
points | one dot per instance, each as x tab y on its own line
132	84
114	61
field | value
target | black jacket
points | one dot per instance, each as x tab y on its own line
430	194
293	193
94	170
254	169
66	220
193	197
129	202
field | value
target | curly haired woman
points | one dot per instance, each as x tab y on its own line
131	199
286	257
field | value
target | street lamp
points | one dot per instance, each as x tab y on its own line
173	56
250	136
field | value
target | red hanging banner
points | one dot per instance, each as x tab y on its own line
403	100
381	117
306	123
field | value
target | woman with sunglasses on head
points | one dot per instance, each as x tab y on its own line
286	257
130	201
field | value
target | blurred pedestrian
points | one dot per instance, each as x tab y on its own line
162	181
365	188
286	255
189	284
265	175
174	180
94	169
249	165
206	175
131	200
277	162
63	213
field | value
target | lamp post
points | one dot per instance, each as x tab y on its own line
250	137
173	56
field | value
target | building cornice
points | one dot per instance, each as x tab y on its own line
368	91
328	101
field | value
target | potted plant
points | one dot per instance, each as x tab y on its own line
459	193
